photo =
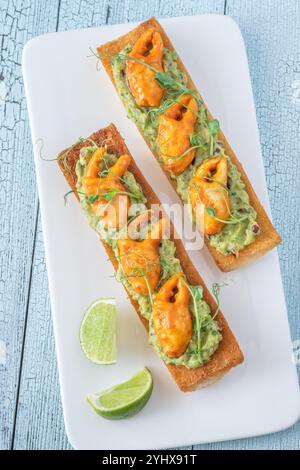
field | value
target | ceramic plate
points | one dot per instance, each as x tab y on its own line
67	98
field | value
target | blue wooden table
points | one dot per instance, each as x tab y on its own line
30	406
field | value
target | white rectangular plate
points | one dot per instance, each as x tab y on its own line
67	98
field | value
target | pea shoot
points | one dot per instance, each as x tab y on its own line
231	220
213	128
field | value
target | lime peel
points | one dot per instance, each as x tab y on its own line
125	399
98	332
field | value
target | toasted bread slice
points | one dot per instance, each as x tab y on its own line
228	354
268	237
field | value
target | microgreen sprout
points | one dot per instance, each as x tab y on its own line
183	154
71	192
95	54
137	271
216	289
64	155
164	80
92	198
195	140
232	220
144	275
111	193
213	127
196	294
215	180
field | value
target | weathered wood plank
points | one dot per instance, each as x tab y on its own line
76	14
39	423
272	37
39	417
18	199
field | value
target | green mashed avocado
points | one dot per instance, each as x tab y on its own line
233	237
210	335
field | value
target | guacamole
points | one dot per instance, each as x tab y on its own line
233	237
209	334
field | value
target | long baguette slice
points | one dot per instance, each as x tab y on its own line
228	354
268	237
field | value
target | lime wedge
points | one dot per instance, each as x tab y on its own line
124	400
98	332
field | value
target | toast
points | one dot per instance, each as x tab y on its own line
228	353
268	237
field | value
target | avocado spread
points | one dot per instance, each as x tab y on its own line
233	237
205	328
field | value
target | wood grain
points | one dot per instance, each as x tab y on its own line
18	198
272	36
39	423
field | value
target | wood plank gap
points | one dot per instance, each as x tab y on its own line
58	15
225	6
108	10
25	328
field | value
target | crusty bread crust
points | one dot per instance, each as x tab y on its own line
268	237
228	354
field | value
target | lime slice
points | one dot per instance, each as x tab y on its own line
98	332
125	399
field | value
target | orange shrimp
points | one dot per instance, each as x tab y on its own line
141	79
176	125
172	319
140	260
208	190
114	213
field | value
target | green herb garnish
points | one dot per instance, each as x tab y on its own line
196	293
71	192
211	211
93	198
231	220
165	81
63	156
175	159
216	289
213	127
216	292
111	193
195	140
137	271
